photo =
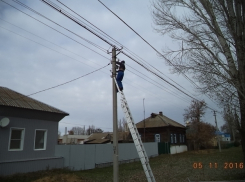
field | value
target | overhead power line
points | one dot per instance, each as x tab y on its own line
65	13
191	81
50	26
68	81
105	34
148	43
70	17
57	8
157	84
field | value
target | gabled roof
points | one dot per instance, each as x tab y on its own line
11	98
121	135
75	136
98	141
98	138
158	120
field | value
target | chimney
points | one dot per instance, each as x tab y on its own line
160	113
153	115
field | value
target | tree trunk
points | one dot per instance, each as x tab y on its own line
242	128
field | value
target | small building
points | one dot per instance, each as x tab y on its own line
98	138
29	136
123	137
73	139
160	128
223	136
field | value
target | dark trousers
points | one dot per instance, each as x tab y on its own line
119	79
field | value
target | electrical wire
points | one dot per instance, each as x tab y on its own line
62	83
83	57
137	62
27	7
43	45
115	41
191	81
51	27
57	8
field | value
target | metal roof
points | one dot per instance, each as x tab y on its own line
11	98
158	120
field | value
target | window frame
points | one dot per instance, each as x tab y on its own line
171	138
45	139
21	139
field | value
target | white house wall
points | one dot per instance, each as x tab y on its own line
178	149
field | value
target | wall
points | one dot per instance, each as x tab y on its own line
174	149
28	151
31	165
82	157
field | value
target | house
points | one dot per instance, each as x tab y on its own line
29	137
160	128
123	137
223	136
72	139
98	138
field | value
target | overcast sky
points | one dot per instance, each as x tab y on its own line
35	57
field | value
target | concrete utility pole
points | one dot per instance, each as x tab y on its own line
115	127
217	130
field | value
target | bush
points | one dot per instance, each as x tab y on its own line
237	144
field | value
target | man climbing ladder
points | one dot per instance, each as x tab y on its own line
120	74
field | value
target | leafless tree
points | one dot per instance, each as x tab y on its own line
98	130
195	111
77	131
91	129
211	36
122	125
231	123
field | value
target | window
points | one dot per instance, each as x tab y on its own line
183	138
175	139
16	139
180	138
171	137
40	140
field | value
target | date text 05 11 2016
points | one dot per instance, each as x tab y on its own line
215	165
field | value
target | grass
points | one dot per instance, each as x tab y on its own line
192	165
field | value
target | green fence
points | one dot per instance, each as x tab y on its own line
164	148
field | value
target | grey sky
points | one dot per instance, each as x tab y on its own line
30	64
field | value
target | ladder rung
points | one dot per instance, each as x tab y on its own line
137	141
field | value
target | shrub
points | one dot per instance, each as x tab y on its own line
237	144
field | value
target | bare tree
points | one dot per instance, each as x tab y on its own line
211	35
70	132
231	123
195	111
98	130
78	131
122	125
91	129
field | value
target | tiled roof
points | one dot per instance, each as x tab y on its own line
158	120
11	98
